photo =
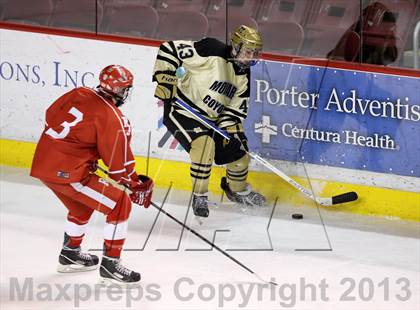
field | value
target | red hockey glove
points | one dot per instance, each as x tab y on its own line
142	191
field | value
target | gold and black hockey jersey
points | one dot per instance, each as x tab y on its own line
213	85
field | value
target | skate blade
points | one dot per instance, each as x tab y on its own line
251	209
75	268
107	282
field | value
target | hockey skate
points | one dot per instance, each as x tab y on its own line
200	205
112	272
246	198
73	260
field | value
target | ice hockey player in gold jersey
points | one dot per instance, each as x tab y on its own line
216	85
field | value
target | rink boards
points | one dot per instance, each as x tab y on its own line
289	122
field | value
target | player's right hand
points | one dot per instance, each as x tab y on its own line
141	191
166	88
236	143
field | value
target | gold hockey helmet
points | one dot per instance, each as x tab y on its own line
246	46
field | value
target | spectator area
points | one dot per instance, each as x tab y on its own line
314	28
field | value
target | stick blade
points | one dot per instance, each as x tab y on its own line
346	197
262	280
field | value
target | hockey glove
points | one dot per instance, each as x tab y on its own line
237	141
166	88
141	191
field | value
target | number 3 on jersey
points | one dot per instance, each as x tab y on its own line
62	134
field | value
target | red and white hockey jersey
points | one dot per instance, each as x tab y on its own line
82	127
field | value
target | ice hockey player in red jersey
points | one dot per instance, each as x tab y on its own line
82	127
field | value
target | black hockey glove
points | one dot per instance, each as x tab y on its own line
238	140
233	149
237	143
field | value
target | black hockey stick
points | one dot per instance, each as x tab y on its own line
200	236
211	244
346	197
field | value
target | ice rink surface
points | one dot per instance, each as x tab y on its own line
327	260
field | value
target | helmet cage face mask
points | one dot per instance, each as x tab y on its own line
245	57
122	96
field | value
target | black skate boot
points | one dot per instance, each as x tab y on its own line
112	272
247	197
73	260
200	205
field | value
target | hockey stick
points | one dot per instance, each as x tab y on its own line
160	209
346	197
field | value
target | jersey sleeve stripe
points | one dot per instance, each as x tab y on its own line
116	171
228	121
224	118
166	59
166	50
234	112
172	45
129	163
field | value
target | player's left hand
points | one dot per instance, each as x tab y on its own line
142	191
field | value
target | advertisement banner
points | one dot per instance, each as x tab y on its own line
299	113
335	117
33	78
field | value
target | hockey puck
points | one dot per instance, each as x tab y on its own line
297	216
